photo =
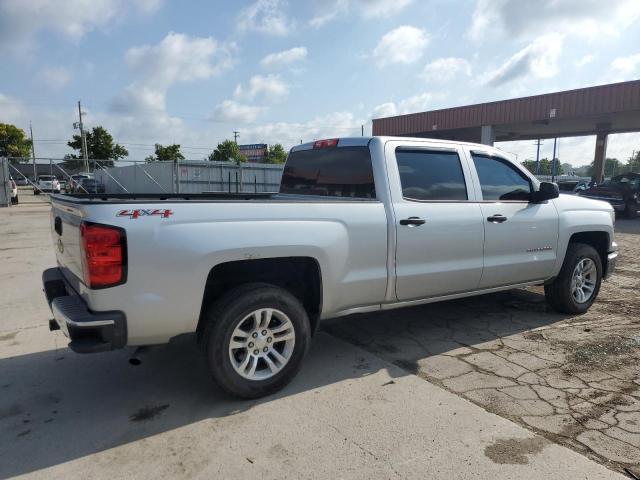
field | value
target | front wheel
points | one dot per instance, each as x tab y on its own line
631	210
577	285
255	338
14	200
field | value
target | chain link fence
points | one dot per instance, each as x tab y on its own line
126	176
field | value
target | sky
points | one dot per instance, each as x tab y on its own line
161	71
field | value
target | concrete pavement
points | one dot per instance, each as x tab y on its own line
349	414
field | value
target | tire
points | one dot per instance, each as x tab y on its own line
560	293
631	210
14	200
36	192
233	311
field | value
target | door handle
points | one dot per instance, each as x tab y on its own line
413	221
497	218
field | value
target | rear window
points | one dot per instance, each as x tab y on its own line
47	177
329	172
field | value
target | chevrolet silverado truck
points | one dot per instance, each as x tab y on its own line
359	225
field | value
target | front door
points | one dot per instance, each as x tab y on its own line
521	238
439	232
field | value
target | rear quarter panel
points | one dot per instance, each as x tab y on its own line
169	259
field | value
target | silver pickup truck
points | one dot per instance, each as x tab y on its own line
359	225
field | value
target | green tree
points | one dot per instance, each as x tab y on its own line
227	151
545	166
100	147
14	143
276	154
633	165
169	153
612	167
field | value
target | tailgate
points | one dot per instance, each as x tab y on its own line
65	231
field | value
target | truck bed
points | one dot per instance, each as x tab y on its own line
111	198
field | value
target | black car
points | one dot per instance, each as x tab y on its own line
621	191
89	185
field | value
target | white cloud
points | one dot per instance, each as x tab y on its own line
585	60
269	86
403	45
180	58
331	10
285	57
539	59
176	58
232	111
444	69
20	21
336	124
626	65
55	77
416	103
586	18
11	109
265	16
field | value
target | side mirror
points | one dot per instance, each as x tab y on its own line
547	191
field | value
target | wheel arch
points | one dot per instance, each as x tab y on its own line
299	275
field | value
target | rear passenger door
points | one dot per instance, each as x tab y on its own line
439	232
521	237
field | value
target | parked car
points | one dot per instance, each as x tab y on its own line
14	191
46	183
359	225
621	191
72	185
573	186
22	181
89	185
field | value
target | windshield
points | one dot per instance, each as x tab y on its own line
47	178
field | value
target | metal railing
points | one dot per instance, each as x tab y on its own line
127	176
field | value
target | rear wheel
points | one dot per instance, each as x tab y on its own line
631	210
577	285
14	200
255	338
36	192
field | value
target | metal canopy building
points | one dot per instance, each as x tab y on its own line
600	110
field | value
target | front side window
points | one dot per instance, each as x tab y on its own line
431	175
501	181
330	172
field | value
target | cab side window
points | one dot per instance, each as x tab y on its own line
431	175
501	181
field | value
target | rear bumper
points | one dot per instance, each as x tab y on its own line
88	331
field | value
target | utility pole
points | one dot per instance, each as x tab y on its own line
553	161
33	153
235	136
362	130
83	139
538	143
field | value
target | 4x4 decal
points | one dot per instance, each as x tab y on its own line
140	212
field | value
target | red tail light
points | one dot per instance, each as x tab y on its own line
103	253
331	142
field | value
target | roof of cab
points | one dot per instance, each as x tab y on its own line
364	141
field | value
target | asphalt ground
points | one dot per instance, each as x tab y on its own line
429	392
